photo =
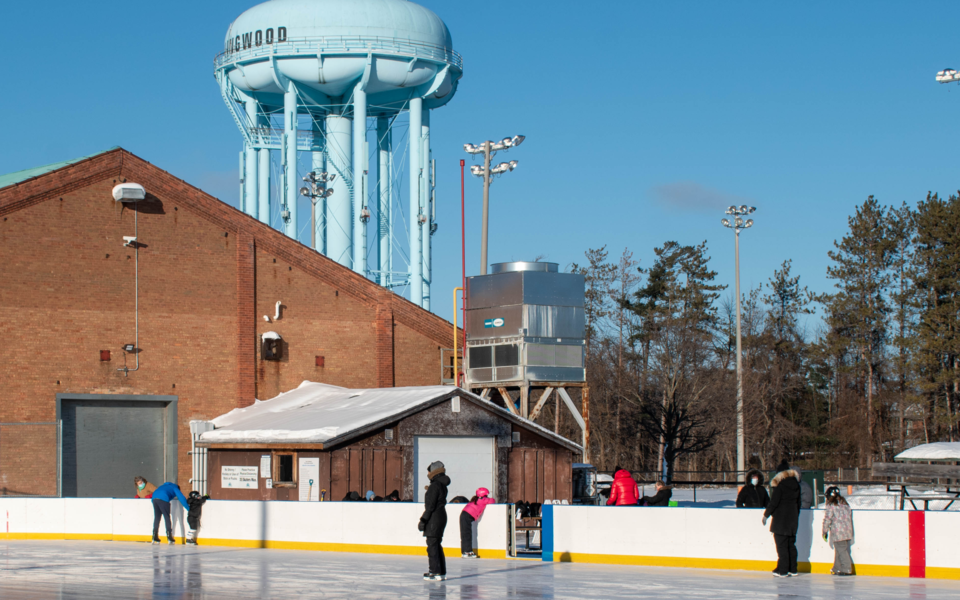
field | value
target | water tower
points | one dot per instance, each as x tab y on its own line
305	76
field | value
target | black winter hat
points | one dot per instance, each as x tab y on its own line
783	466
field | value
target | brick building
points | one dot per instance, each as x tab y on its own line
190	297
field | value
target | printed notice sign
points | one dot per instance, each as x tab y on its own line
265	465
309	479
239	477
498	322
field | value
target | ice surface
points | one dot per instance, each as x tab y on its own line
82	569
934	451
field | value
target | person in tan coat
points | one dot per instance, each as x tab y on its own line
145	489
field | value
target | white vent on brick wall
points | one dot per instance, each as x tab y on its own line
388	435
455	404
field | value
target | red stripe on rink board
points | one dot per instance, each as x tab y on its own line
918	544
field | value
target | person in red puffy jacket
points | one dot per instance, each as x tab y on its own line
623	491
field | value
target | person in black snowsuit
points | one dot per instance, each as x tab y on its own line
195	502
784	507
753	494
434	520
661	498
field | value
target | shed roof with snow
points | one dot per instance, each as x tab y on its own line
935	451
318	413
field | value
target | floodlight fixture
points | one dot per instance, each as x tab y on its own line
726	222
948	76
305	191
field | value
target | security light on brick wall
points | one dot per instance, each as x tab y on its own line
129	347
128	192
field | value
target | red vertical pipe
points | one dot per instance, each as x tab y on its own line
918	543
463	264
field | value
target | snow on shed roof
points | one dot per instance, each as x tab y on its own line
934	451
322	413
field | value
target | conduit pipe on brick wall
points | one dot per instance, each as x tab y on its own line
122	193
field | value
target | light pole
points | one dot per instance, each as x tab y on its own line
317	191
739	225
489	149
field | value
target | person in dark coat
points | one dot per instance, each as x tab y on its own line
195	501
784	507
753	494
434	520
661	498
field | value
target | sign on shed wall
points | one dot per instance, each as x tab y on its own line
239	477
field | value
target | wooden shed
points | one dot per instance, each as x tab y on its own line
323	441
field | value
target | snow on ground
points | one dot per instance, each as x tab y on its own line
878	498
82	569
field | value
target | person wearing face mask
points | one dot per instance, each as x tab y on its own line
753	494
145	489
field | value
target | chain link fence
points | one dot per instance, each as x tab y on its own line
30	459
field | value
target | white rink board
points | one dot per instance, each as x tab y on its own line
736	538
383	526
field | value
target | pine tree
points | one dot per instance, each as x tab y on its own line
937	276
857	311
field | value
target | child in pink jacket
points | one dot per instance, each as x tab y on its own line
471	513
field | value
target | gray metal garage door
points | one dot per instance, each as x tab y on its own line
469	463
107	443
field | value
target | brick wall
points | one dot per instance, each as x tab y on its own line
207	275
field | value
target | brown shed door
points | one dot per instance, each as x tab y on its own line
539	475
362	469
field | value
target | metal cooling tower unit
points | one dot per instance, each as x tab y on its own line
302	78
525	326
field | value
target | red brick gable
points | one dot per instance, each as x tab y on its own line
123	165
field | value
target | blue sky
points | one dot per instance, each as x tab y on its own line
643	119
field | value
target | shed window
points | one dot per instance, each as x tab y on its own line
284	471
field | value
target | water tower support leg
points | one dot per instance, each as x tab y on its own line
339	144
290	159
319	165
384	175
359	193
416	230
425	190
263	183
250	187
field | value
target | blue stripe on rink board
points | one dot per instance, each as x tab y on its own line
546	532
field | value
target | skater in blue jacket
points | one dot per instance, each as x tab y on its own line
161	506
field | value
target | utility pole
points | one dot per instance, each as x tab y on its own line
739	225
489	149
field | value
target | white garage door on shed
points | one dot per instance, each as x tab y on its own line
469	462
